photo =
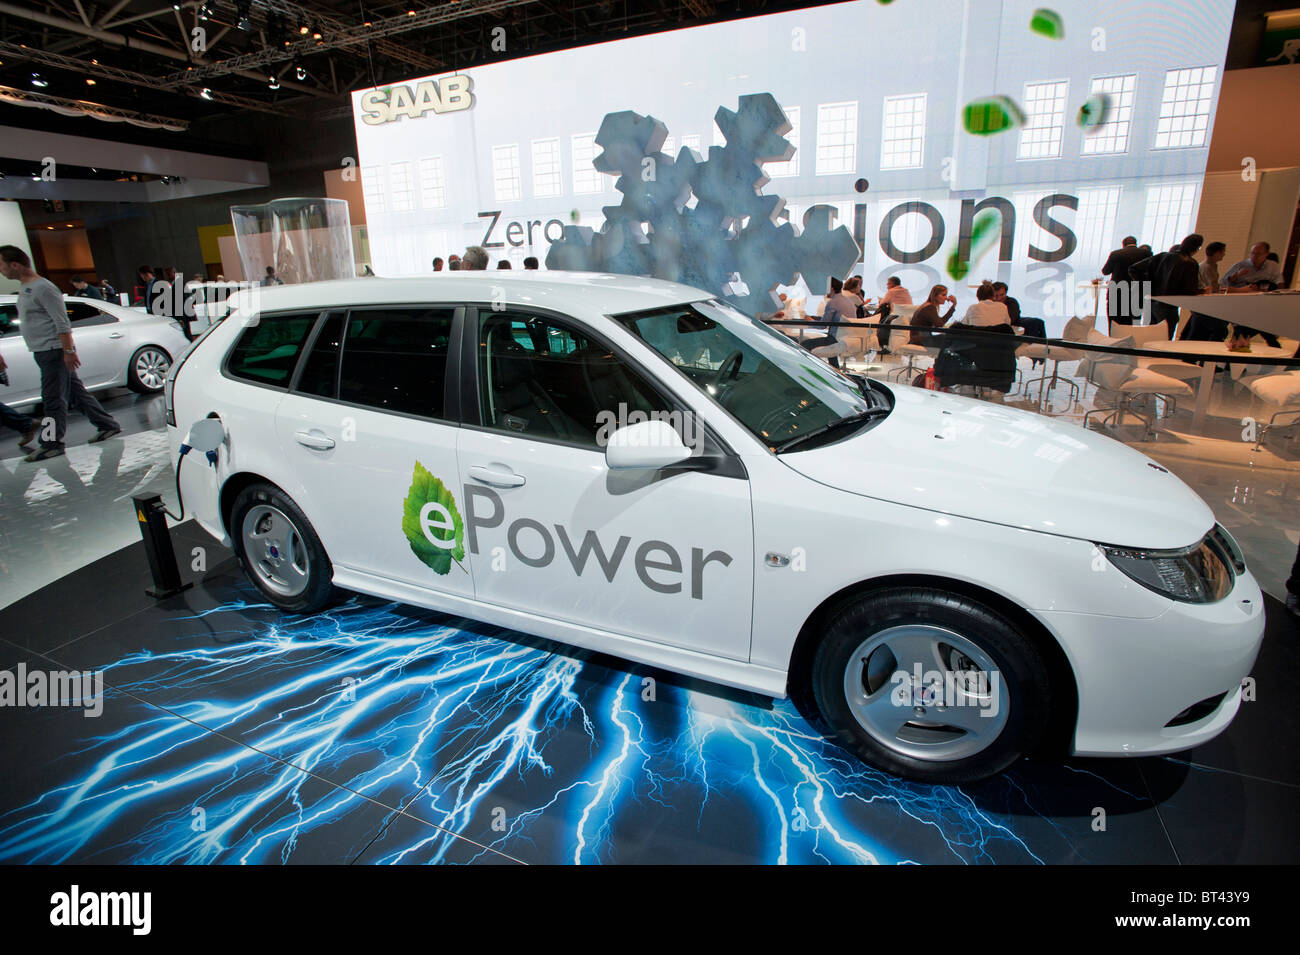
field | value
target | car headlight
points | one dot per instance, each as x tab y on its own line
1200	574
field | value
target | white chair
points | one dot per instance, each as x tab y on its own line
1121	383
1076	330
1281	390
900	330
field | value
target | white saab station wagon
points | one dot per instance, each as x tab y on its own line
631	466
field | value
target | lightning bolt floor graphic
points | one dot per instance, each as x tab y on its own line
381	733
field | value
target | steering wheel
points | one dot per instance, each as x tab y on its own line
736	358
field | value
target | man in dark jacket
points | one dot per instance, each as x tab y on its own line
1124	299
1171	273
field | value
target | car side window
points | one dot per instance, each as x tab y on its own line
320	372
542	378
8	320
267	352
84	316
395	359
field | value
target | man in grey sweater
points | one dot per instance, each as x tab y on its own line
48	334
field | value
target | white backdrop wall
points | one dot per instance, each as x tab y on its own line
875	92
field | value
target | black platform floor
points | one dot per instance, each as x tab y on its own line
380	733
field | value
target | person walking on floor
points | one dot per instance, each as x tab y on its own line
25	425
48	335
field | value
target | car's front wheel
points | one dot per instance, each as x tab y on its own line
279	550
930	685
147	372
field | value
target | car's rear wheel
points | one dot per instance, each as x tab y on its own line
147	372
279	550
929	685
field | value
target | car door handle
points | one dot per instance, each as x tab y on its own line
314	440
115	335
497	477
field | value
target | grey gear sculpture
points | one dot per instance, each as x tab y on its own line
731	233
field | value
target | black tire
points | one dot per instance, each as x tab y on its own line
147	385
305	551
1019	674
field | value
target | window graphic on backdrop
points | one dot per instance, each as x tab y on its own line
1112	140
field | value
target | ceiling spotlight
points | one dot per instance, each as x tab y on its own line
304	29
274	84
410	13
205	93
176	6
89	81
301	73
244	24
39	81
315	36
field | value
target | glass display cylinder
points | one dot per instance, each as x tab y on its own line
301	239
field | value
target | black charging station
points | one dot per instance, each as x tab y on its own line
152	517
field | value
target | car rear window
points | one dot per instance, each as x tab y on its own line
267	352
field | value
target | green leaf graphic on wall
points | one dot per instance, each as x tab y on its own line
426	513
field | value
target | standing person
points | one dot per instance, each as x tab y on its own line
143	291
1207	328
1293	588
1124	297
48	335
453	263
25	425
106	290
475	259
530	263
1171	273
437	264
504	264
927	316
271	277
84	289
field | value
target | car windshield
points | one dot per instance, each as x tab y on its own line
774	387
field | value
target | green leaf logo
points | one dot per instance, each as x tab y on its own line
432	522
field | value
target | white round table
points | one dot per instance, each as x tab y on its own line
1221	355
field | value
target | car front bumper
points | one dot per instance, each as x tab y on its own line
1136	676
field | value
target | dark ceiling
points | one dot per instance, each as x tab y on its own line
141	58
137	61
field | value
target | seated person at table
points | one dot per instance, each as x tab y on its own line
830	313
853	290
927	316
986	313
1255	273
1032	326
895	295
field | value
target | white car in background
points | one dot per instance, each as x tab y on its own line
628	465
119	347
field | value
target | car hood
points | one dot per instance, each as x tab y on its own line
973	459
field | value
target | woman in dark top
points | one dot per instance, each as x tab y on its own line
927	316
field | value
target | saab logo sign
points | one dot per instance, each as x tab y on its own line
449	95
433	525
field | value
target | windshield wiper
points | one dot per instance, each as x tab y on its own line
848	420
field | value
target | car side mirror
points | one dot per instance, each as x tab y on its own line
647	445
